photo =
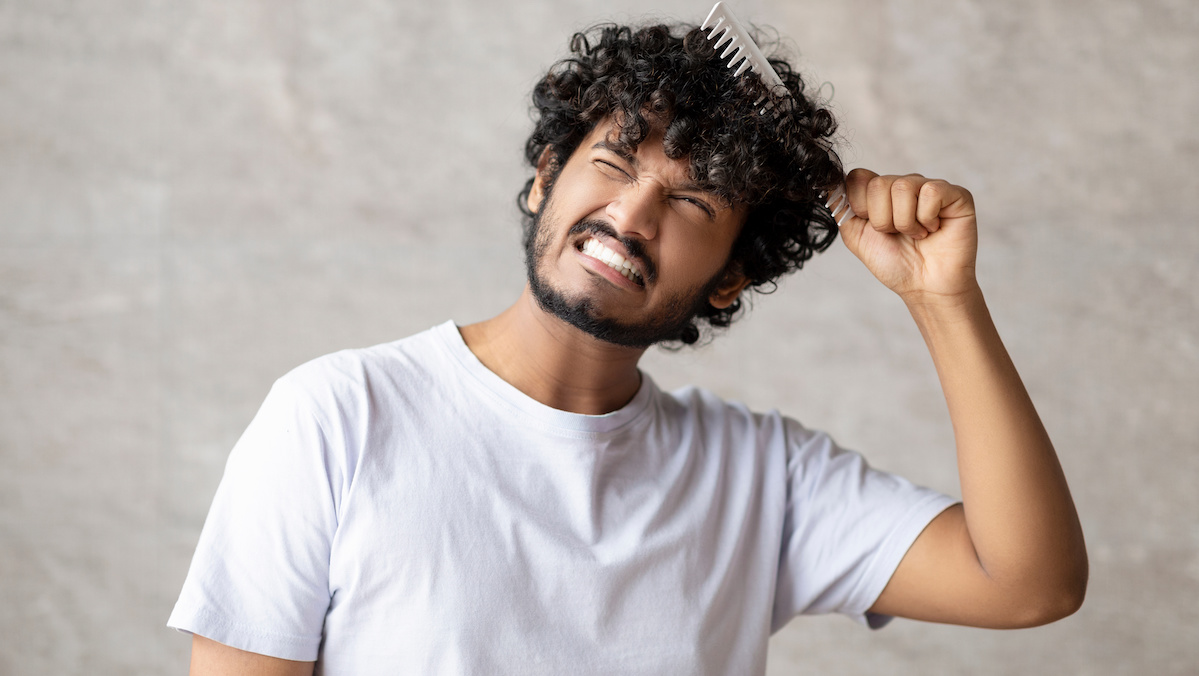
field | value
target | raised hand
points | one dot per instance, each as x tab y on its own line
918	236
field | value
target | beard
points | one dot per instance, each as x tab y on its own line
675	322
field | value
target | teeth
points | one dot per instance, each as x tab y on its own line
595	249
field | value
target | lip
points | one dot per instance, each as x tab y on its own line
604	270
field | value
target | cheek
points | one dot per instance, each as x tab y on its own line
693	257
584	192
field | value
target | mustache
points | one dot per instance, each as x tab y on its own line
634	246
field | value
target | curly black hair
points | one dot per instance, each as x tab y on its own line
777	164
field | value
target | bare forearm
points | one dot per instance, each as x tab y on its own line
1019	513
210	658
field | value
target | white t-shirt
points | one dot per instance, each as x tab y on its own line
403	510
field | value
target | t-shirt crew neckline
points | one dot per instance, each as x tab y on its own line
511	398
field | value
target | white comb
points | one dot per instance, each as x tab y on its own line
743	52
726	29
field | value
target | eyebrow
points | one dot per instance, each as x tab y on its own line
622	151
618	149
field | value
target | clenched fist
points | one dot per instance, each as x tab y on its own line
917	235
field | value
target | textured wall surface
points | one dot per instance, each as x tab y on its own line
197	196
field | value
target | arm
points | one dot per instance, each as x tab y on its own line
210	658
1012	555
259	579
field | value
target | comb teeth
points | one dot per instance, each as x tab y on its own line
727	32
837	203
722	34
742	53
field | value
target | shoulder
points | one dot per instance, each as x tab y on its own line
696	402
711	411
356	367
348	380
700	408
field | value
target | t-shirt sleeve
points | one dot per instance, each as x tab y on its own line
259	577
847	527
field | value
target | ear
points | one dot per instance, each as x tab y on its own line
729	290
537	192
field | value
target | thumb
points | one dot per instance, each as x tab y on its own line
847	204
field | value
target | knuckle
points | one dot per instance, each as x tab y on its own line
878	185
905	185
860	174
933	190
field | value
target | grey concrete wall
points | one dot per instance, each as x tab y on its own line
197	196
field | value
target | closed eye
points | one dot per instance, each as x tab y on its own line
697	203
609	168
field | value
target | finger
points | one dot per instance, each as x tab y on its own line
850	231
931	202
905	193
878	203
956	201
855	190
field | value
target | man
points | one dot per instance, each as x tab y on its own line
515	496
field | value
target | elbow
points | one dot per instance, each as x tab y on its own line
1062	604
1075	589
1056	600
1071	590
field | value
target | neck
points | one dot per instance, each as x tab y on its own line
553	362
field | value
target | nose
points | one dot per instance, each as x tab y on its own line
635	211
